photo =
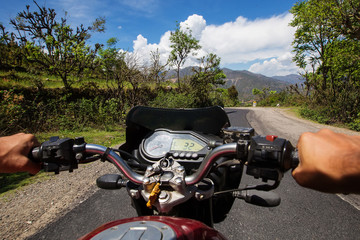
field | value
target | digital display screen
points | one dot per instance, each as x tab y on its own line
187	145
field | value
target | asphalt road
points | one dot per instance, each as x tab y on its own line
302	214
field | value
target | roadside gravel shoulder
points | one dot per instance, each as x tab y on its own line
32	207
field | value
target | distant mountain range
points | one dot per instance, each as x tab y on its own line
244	81
291	78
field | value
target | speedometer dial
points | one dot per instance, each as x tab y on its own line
158	144
181	145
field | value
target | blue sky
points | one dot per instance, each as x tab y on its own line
247	34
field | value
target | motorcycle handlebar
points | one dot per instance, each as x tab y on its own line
203	170
116	160
266	159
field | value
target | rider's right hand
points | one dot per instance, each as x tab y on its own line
329	162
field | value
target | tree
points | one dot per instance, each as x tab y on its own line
183	43
10	51
136	76
157	71
312	37
260	93
329	53
112	62
268	97
53	45
344	17
113	66
233	94
206	77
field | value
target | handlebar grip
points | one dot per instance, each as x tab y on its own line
34	155
295	158
57	154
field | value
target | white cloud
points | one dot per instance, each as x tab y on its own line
139	43
280	66
143	49
244	40
196	24
240	41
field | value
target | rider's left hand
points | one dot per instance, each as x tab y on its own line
14	151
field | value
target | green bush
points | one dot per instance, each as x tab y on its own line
171	99
33	111
11	110
355	123
318	114
283	98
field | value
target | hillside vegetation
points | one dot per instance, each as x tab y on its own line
326	47
52	79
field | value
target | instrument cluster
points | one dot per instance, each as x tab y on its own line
180	145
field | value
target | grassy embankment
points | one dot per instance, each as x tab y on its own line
110	136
